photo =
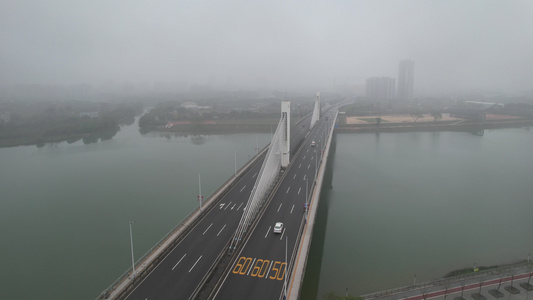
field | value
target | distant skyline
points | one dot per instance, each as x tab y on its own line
478	45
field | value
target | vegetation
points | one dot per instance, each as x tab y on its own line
50	122
468	271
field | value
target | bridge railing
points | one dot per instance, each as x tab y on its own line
446	281
213	196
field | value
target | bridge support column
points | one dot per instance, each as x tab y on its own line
286	133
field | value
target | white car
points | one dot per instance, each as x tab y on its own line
278	228
312	143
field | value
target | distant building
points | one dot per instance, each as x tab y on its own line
406	77
380	87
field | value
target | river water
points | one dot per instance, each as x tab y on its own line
395	205
400	204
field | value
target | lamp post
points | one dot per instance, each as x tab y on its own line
132	258
316	164
286	237
306	196
200	197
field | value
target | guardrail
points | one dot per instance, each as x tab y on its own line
447	281
143	260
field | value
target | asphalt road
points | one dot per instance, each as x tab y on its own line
181	271
259	272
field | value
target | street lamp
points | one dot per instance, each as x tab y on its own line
132	259
286	237
200	197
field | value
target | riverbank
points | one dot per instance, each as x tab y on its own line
446	125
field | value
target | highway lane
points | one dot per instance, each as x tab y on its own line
180	272
259	272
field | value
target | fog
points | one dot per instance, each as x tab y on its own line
456	45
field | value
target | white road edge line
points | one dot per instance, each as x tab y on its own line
195	264
179	261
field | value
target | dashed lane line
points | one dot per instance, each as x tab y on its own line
221	229
267	231
195	263
207	228
179	261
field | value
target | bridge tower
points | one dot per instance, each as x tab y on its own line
286	133
316	112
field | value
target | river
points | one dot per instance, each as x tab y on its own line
396	204
420	203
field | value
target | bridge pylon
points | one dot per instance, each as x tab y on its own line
316	111
286	133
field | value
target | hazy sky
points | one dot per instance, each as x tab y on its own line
456	44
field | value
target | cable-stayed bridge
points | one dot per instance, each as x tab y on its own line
183	264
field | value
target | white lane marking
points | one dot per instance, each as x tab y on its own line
292	208
230	204
271	263
294	176
207	228
304	156
309	166
179	261
267	231
251	268
254	175
280	206
282	233
299	166
304	176
299	191
243	188
240	206
221	229
222	205
288	190
312	157
233	206
195	264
